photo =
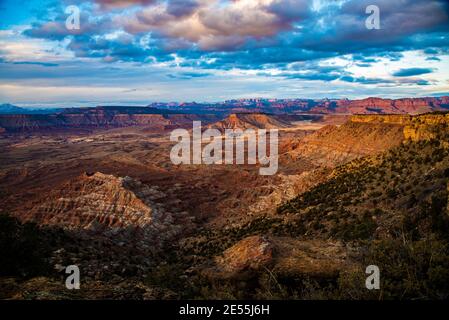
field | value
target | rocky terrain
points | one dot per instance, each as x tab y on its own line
348	192
251	121
386	106
109	205
99	118
390	209
162	115
370	105
334	145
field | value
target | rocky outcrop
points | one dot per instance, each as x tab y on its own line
286	257
389	106
122	208
95	201
250	254
395	119
334	145
100	117
421	127
250	121
365	135
308	161
427	127
290	186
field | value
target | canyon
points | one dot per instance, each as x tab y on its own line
101	191
99	118
158	116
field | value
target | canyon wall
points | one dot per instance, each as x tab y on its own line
390	106
422	127
96	118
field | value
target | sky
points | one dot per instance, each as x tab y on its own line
142	51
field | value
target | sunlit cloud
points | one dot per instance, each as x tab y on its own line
213	49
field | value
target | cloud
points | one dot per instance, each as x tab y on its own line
408	72
252	34
217	25
431	51
189	75
182	8
312	76
122	3
56	29
405	25
121	48
288	42
364	80
433	59
423	83
44	64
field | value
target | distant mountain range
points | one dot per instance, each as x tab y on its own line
322	106
7	108
100	118
233	113
370	105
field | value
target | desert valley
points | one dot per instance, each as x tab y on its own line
360	182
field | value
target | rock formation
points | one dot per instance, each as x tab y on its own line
388	106
111	206
250	121
99	118
98	200
250	253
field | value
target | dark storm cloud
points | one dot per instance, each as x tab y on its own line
180	8
44	64
383	82
423	83
188	75
364	80
291	10
222	35
312	76
408	72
